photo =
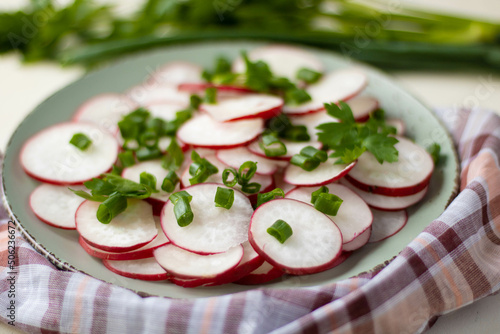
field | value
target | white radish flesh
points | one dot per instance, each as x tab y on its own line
314	246
358	242
158	93
143	269
187	265
203	131
362	107
387	223
237	156
340	85
213	229
175	73
49	157
325	173
292	148
56	205
245	106
165	110
222	90
408	176
131	229
353	217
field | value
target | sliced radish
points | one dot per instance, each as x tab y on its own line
49	157
56	205
316	242
312	120
245	106
175	73
200	87
263	274
387	203
362	107
105	110
203	131
165	110
237	156
408	176
340	85
399	124
358	242
213	229
155	93
250	261
183	264
143	269
354	215
292	148
325	173
280	183
131	229
164	143
283	60
387	223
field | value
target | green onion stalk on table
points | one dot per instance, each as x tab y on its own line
383	33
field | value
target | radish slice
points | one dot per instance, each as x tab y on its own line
325	173
354	215
237	156
155	93
399	124
333	87
165	110
263	274
387	223
283	60
362	107
280	183
312	120
244	106
387	203
183	264
175	73
144	269
408	176
199	88
358	242
105	110
250	261
203	131
131	229
315	245
56	205
49	157
292	148
213	229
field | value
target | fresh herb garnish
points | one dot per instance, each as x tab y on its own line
211	95
126	158
224	198
435	151
80	141
242	177
325	202
174	157
200	169
272	145
308	76
182	209
280	230
269	196
282	125
309	158
149	180
170	182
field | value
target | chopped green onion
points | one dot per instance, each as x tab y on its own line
306	163
434	150
128	188
148	153
251	188
280	230
115	204
116	170
194	101
148	138
246	171
80	141
307	75
100	187
328	203
272	146
269	196
313	152
170	181
183	213
200	169
126	158
315	194
179	195
148	180
174	157
87	196
129	129
296	133
296	96
225	176
211	95
224	198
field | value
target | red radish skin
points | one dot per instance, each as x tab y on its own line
56	205
353	217
213	229
387	203
237	156
263	274
105	110
183	264
130	230
49	157
387	223
358	242
250	261
408	176
246	106
325	173
340	85
202	131
196	88
311	248
143	269
292	148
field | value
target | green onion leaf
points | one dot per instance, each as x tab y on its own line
175	197
100	187
328	203
296	133
251	188
148	180
200	169
115	204
280	230
246	171
195	101
315	194
307	75
87	196
128	188
269	196
211	95
170	181
126	158
80	141
148	138
313	152
183	213
434	150
174	157
271	145
296	96
225	176
148	153
304	162
224	198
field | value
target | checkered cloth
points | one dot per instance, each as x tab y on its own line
452	263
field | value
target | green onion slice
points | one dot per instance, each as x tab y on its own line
175	197
246	171
251	188
126	158
225	176
296	96
200	169
211	95
272	145
170	181
269	196
224	198
80	141
304	162
313	152
280	230
307	75
111	207
148	180
148	153
174	157
434	150
328	203
183	212
315	194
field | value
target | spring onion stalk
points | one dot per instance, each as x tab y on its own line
224	198
126	158
225	177
269	196
316	193
111	207
149	180
272	145
328	203
182	208
280	230
80	141
308	76
170	182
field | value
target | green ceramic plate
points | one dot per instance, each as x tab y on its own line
61	246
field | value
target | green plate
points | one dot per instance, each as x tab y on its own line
61	246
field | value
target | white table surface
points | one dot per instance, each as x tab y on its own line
23	87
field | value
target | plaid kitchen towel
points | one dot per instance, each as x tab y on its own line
452	263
